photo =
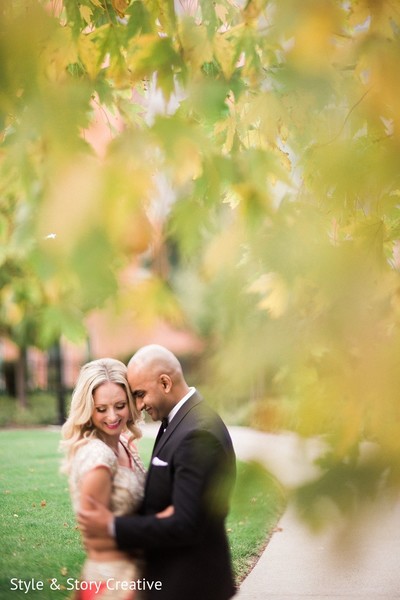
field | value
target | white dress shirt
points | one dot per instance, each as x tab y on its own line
180	403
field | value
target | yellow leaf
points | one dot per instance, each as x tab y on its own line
221	12
59	52
97	3
89	54
253	9
134	233
71	201
196	45
120	6
267	112
313	37
224	250
375	17
188	161
225	53
275	293
139	54
12	312
283	132
384	97
230	134
232	199
252	139
359	13
86	13
152	300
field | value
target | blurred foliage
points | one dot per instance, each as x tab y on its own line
274	130
41	410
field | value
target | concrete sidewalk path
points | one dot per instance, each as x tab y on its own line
361	561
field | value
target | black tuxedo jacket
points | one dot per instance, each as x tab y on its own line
193	468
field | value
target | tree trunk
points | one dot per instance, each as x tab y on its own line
59	384
21	378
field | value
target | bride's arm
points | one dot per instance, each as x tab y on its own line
96	488
95	484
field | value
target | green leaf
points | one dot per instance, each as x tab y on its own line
139	20
57	321
208	99
210	19
92	265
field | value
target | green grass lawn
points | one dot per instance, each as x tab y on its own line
40	541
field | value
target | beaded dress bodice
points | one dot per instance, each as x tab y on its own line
127	482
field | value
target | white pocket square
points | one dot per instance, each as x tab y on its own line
157	462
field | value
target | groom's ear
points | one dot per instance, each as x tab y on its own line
166	382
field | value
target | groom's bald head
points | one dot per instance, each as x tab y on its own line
156	379
156	359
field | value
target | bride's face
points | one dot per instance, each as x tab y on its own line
111	409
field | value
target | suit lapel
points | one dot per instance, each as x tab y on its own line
181	414
160	433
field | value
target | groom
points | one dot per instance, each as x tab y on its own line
193	469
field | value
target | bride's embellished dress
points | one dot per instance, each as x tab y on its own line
111	579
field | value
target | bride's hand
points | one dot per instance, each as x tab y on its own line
167	512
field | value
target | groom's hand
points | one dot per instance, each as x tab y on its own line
95	522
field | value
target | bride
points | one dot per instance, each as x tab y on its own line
103	465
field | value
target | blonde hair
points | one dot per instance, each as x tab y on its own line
78	428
